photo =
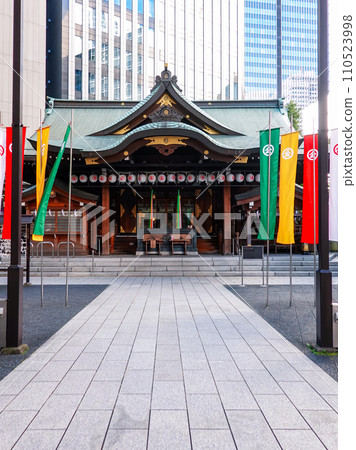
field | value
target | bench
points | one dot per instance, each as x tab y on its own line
180	239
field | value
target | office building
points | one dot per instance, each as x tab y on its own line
112	49
34	62
287	28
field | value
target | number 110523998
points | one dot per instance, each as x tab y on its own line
347	48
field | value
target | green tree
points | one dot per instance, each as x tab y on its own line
294	111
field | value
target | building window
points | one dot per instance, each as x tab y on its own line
78	80
104	53
104	22
116	89
128	60
139	92
140	6
78	13
139	63
92	18
104	86
151	8
78	46
116	26
129	4
128	90
91	84
117	2
117	57
140	34
91	52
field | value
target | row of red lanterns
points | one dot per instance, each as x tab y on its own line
163	178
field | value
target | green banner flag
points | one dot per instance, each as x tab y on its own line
269	156
38	230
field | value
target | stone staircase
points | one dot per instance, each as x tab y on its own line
171	266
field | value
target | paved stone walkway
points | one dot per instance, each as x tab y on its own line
168	363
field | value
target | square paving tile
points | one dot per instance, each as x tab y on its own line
206	412
169	430
131	412
212	440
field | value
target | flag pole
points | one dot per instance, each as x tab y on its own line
314	213
69	206
268	203
290	246
40	168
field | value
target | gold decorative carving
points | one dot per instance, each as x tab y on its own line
166	140
123	130
241	160
206	152
165	100
209	130
91	161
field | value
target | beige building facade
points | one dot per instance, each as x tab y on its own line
34	62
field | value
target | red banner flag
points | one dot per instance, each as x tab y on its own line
6	231
310	190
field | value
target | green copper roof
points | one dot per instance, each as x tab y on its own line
237	122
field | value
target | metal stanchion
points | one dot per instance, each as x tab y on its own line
263	268
41	274
242	269
92	260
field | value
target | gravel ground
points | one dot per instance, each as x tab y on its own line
296	323
39	324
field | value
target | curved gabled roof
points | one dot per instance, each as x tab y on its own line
166	84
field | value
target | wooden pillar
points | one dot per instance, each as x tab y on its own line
105	226
227	219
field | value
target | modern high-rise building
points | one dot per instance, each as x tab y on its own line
280	32
219	49
112	49
302	88
34	62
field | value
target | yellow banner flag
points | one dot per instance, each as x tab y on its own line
288	170
41	161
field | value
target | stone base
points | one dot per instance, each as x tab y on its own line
22	349
28	284
327	351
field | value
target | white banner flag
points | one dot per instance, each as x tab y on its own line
2	161
333	207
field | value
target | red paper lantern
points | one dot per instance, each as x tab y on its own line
112	178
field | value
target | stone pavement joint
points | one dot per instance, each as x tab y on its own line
168	363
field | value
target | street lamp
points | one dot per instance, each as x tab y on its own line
15	270
323	274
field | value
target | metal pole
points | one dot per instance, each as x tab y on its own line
268	203
290	247
40	159
290	275
28	254
279	47
69	206
324	321
42	274
242	267
314	213
14	318
92	260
